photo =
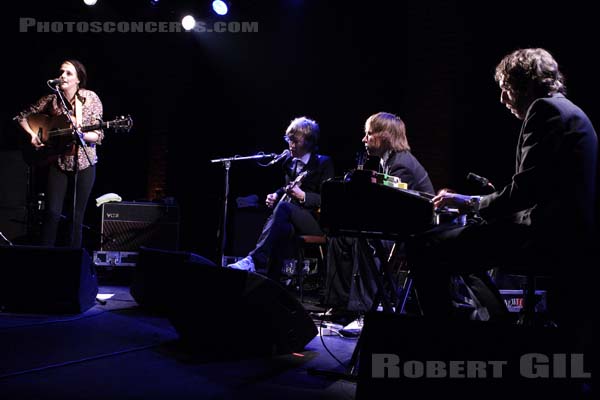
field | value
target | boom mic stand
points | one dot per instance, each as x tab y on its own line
226	162
78	141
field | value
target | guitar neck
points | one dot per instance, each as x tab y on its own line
94	127
294	183
68	131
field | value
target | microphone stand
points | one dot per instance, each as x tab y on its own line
221	235
6	239
104	238
78	139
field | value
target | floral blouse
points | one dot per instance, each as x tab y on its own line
91	112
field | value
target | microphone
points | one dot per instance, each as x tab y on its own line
285	153
54	82
480	180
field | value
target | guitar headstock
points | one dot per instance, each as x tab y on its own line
121	124
300	177
297	180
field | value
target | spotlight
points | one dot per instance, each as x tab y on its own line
90	2
220	7
154	2
188	22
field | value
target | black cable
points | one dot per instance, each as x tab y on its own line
72	362
5	239
71	319
321	324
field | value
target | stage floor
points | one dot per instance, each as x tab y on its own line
119	350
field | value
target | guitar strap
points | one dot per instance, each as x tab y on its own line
78	111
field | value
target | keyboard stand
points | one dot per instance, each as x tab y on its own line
390	300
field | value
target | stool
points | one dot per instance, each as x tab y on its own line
303	243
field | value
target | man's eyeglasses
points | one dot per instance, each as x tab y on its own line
293	139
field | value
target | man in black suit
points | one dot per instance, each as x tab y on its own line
294	205
350	261
543	219
385	137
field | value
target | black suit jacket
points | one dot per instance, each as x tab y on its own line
405	166
554	187
320	168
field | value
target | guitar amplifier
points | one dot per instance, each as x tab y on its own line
128	225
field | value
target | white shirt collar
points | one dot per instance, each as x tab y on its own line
383	160
304	158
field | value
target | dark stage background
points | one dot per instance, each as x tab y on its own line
199	96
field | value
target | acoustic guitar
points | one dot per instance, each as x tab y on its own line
291	185
56	133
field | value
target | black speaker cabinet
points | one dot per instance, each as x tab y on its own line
246	227
13	179
222	312
46	279
128	225
14	175
158	275
13	223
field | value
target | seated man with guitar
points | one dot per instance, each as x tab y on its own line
85	108
294	205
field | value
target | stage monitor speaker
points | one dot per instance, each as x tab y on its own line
128	225
158	274
222	312
422	358
46	279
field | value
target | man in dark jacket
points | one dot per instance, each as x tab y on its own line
544	219
294	205
350	261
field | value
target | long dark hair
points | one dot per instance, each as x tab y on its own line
81	72
531	65
391	130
